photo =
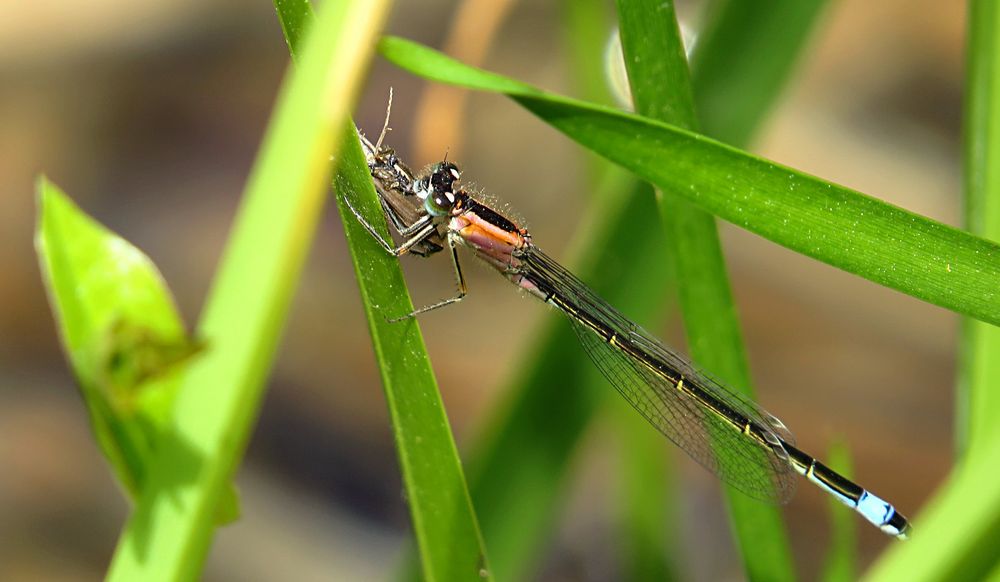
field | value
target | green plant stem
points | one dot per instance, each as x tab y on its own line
742	59
444	523
170	531
517	493
978	403
661	89
955	535
645	506
962	520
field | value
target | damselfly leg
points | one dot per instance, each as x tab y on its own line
459	280
725	432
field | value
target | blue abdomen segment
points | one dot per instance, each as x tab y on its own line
876	510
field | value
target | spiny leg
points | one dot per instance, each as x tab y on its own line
459	278
422	228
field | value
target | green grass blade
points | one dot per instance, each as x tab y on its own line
645	522
120	329
503	476
955	535
661	89
649	516
742	59
518	470
520	465
841	564
444	524
979	386
170	531
294	16
836	225
962	521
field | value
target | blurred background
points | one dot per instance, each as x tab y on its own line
149	114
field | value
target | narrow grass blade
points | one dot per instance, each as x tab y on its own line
955	536
661	89
742	59
978	403
839	226
519	467
646	511
169	534
120	328
524	488
444	524
841	563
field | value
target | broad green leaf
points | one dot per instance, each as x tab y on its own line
119	327
171	529
839	226
444	524
661	89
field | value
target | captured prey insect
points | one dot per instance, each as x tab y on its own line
722	430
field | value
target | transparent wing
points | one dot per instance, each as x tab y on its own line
708	434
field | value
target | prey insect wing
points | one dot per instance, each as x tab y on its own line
404	211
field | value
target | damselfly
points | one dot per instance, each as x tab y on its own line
725	432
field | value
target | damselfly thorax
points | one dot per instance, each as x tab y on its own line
727	433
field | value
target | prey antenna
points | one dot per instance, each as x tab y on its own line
385	126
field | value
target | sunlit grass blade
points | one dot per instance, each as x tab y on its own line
839	226
955	535
962	521
978	401
742	59
661	89
444	524
170	531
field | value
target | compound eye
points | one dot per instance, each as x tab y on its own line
440	202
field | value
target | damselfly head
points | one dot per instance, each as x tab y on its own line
444	175
437	189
